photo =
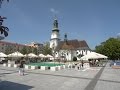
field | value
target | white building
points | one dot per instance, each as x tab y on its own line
67	49
55	35
72	48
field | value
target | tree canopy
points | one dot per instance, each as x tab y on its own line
110	48
47	49
1	1
3	30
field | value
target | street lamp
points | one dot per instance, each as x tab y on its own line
53	50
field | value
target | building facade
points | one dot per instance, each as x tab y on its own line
37	45
10	47
72	48
67	49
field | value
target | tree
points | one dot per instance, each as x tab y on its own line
1	1
9	50
47	49
3	30
24	50
29	50
35	51
110	48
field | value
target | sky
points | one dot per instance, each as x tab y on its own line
32	20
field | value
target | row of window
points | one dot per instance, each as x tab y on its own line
82	52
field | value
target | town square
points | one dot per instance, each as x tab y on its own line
59	45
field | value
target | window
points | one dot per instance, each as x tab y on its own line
67	53
82	52
76	52
86	52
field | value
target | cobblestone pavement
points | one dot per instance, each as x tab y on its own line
95	78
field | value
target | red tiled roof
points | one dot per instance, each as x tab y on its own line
72	44
83	44
67	46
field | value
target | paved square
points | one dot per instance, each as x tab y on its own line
96	78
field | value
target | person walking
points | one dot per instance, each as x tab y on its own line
82	63
21	68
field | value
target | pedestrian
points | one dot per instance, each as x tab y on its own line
70	65
21	68
82	63
78	66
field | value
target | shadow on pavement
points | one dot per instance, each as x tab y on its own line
7	85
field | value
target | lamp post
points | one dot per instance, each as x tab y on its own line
53	50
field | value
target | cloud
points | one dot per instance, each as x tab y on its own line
54	11
118	34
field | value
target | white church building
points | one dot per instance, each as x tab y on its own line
67	49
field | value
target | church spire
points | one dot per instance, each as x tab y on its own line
55	34
55	24
65	38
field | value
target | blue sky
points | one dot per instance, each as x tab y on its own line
90	20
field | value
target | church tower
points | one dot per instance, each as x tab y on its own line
55	35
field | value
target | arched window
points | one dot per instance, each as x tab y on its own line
82	52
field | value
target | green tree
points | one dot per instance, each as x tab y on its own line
1	1
24	50
110	48
29	50
3	30
8	50
47	49
35	51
